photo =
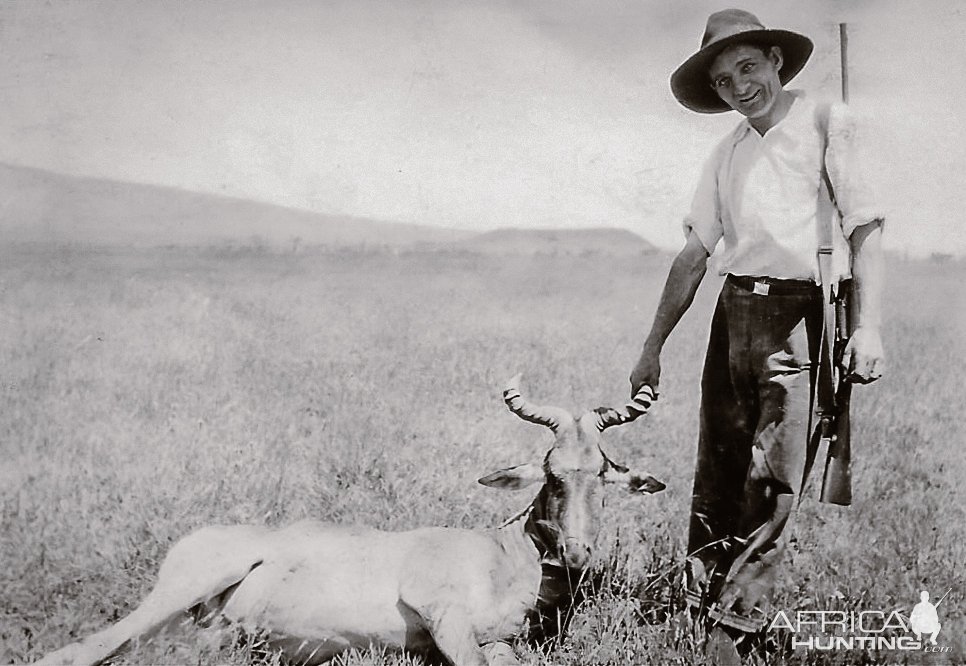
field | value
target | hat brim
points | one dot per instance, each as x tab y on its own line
691	84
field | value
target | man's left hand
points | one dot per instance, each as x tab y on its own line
864	359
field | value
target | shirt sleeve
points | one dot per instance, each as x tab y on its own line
704	218
847	161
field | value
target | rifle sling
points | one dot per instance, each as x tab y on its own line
827	371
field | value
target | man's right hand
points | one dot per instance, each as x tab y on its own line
647	371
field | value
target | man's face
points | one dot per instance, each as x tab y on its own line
746	78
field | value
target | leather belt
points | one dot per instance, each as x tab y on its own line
767	286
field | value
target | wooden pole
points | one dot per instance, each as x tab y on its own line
844	52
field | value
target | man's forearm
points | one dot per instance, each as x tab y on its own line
682	283
867	275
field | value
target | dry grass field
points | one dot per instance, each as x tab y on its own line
147	393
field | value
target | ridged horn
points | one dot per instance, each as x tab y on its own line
638	406
552	417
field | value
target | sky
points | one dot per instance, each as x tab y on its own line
459	113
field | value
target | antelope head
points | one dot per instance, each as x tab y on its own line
565	516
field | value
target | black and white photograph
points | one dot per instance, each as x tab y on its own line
482	332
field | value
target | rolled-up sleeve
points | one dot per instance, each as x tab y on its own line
847	161
704	218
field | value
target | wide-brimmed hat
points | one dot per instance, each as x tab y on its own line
691	83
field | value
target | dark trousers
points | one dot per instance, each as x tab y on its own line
756	407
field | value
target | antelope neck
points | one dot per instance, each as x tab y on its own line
557	580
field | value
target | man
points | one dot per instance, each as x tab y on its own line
924	619
763	193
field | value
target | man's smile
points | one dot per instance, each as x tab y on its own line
751	98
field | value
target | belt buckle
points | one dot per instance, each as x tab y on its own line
760	288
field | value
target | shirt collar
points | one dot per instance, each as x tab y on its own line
744	127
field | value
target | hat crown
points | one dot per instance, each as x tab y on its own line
727	23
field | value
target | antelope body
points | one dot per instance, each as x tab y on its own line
315	590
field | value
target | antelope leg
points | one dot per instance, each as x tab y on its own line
500	654
200	567
452	632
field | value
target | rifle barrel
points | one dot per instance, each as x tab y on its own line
844	55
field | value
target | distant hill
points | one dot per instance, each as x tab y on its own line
606	241
42	206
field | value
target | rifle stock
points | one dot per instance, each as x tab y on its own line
837	479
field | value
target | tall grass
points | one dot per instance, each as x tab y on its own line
148	393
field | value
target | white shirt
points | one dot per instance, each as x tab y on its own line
764	195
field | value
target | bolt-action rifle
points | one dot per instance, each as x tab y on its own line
833	391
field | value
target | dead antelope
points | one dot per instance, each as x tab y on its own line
315	590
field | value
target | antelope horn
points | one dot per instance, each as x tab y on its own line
552	417
638	406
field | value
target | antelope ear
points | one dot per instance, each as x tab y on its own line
514	478
635	482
